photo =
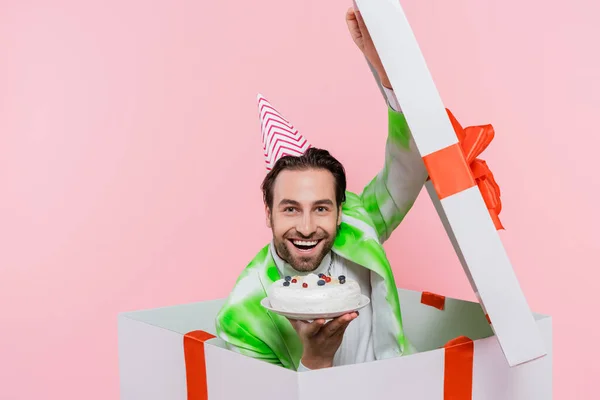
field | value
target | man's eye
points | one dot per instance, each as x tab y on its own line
289	209
321	209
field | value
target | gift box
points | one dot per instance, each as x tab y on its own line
492	349
172	353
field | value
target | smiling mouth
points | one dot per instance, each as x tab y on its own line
305	245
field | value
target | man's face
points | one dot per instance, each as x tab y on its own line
304	218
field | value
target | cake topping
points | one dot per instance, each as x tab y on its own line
310	279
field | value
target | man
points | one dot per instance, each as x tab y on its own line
320	227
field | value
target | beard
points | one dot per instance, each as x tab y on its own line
303	263
297	261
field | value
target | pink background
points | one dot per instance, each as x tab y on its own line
120	121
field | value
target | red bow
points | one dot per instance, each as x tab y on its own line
473	141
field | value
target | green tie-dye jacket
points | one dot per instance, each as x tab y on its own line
368	220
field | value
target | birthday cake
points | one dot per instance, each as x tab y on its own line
314	294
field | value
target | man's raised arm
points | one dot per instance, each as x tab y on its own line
391	194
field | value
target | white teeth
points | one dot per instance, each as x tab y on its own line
304	243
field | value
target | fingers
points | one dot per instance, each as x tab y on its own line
334	327
361	24
314	327
305	328
353	27
338	325
357	27
296	324
350	14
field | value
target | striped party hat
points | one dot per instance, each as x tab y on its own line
279	137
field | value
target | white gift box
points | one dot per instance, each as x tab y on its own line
153	363
491	350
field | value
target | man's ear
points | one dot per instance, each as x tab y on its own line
339	218
268	217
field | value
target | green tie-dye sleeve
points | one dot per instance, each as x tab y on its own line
248	328
241	340
391	194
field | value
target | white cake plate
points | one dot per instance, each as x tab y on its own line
364	301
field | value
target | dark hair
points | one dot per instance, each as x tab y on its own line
313	158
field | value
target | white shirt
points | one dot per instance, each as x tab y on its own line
357	344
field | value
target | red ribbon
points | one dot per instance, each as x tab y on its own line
473	141
433	300
458	369
195	364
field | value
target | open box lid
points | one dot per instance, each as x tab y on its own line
461	206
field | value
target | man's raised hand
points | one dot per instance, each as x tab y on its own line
362	39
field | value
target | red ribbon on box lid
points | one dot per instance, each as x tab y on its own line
457	168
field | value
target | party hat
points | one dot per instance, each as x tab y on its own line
279	136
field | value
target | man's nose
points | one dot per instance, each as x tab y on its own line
306	226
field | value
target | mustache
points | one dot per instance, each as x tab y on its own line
298	235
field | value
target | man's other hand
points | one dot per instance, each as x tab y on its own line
321	340
362	39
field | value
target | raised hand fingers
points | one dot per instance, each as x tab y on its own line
353	27
361	24
350	14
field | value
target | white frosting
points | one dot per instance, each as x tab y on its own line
331	297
